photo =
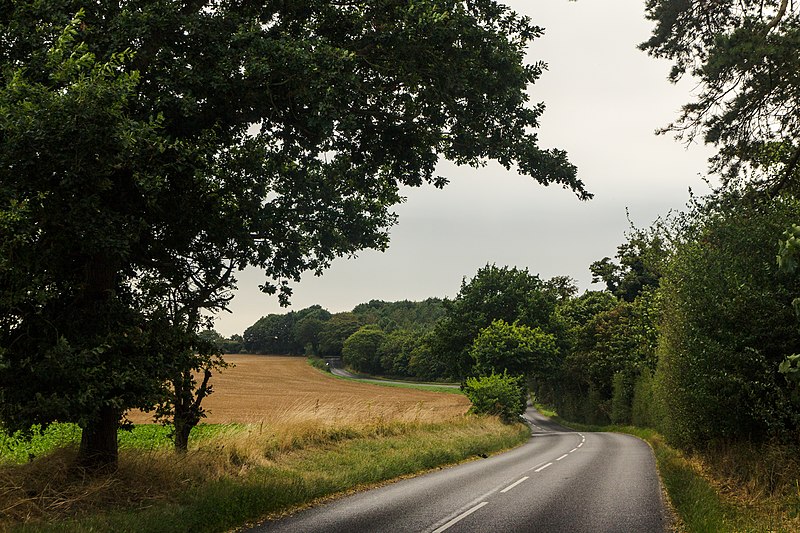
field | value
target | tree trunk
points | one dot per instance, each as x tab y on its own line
187	410
182	431
98	450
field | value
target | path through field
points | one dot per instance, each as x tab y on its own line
261	387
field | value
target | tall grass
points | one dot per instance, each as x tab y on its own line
244	472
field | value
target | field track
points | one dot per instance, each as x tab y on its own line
265	387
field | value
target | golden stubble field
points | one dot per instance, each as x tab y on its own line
264	389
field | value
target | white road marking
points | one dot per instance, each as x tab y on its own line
573	450
513	485
566	454
537	466
579	445
459	518
542	467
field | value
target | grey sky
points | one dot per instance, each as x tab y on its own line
604	100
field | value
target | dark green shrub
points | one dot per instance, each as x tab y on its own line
642	410
497	394
621	399
727	323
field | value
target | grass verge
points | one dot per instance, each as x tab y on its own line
418	386
725	488
239	474
384	382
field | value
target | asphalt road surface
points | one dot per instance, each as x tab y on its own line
560	480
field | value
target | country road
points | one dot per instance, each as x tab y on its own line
342	373
560	480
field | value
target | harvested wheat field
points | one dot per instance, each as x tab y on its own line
266	388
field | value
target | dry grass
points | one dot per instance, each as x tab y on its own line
302	454
282	418
761	481
263	388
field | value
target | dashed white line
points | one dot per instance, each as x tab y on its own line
531	468
542	467
565	455
459	518
513	485
573	450
579	445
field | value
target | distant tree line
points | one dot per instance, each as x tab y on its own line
376	337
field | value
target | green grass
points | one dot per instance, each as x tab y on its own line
18	448
299	476
318	363
380	382
701	508
409	385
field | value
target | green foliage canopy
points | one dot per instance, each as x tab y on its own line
744	52
360	350
515	349
494	293
336	331
727	323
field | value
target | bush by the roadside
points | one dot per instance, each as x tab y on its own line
319	363
497	394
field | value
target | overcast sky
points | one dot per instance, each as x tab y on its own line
605	99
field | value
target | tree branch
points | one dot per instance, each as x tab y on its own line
778	16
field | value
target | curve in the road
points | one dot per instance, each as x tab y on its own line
560	480
342	373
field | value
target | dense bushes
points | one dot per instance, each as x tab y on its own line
497	394
605	353
727	323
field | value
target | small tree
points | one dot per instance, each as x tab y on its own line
516	349
360	350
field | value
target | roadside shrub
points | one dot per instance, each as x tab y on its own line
621	399
642	410
497	394
727	323
318	363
